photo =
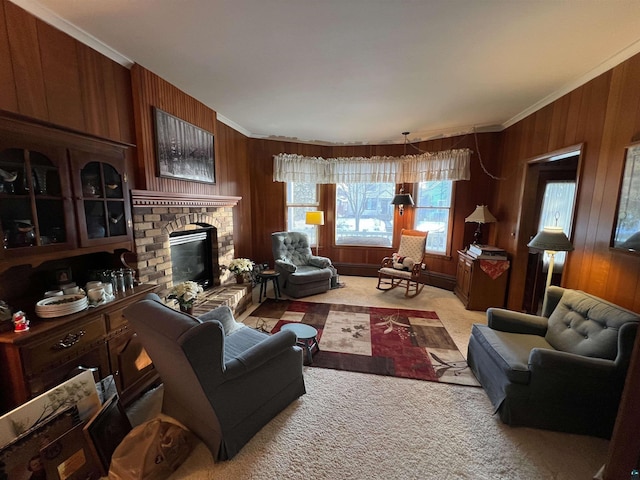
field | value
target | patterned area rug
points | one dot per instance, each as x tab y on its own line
383	341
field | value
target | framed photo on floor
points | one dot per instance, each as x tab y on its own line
68	457
105	430
183	151
21	459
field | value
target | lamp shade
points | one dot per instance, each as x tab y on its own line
402	199
551	239
314	218
481	215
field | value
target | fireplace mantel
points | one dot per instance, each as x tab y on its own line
151	198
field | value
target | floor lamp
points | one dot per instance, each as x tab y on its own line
315	218
551	240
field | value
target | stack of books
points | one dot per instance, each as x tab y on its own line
487	252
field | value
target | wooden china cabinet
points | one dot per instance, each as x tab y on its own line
65	195
61	194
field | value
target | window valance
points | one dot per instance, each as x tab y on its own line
444	165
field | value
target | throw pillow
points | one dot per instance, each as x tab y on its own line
402	263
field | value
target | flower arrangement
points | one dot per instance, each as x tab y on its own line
185	294
240	265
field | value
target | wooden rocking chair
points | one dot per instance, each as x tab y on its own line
405	267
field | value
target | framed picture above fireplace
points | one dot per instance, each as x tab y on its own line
183	151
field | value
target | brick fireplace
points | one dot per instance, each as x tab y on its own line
157	214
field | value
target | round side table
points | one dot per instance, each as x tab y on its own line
263	278
307	338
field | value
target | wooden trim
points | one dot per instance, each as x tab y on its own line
54	133
151	198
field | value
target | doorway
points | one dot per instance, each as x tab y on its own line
552	183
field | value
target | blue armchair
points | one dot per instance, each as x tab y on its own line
562	371
301	272
222	380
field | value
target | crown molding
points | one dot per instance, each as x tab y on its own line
53	19
234	125
608	64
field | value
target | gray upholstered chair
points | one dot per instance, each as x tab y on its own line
222	380
562	371
301	272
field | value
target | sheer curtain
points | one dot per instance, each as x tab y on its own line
444	165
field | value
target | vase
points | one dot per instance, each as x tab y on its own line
187	309
239	277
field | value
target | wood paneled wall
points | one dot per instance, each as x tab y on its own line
603	115
49	76
232	174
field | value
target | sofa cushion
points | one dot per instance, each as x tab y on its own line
587	325
241	341
510	351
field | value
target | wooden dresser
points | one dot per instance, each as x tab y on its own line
55	349
475	288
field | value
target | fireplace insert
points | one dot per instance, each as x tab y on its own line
191	256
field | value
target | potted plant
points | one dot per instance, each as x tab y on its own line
240	266
185	294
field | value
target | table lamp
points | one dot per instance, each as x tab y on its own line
550	240
480	215
315	218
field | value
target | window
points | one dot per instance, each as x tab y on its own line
433	213
301	198
557	210
364	214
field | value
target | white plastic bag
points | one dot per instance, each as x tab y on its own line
152	450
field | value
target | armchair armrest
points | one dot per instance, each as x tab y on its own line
516	322
259	354
320	262
286	266
553	362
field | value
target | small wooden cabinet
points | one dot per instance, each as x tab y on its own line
55	349
475	288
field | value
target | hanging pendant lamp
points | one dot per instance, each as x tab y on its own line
402	199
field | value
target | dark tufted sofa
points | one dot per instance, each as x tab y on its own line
301	272
562	371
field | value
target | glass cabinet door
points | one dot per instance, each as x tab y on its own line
102	200
35	204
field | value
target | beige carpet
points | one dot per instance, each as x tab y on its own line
359	426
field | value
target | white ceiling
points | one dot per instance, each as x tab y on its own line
360	71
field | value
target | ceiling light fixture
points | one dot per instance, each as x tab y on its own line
401	199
